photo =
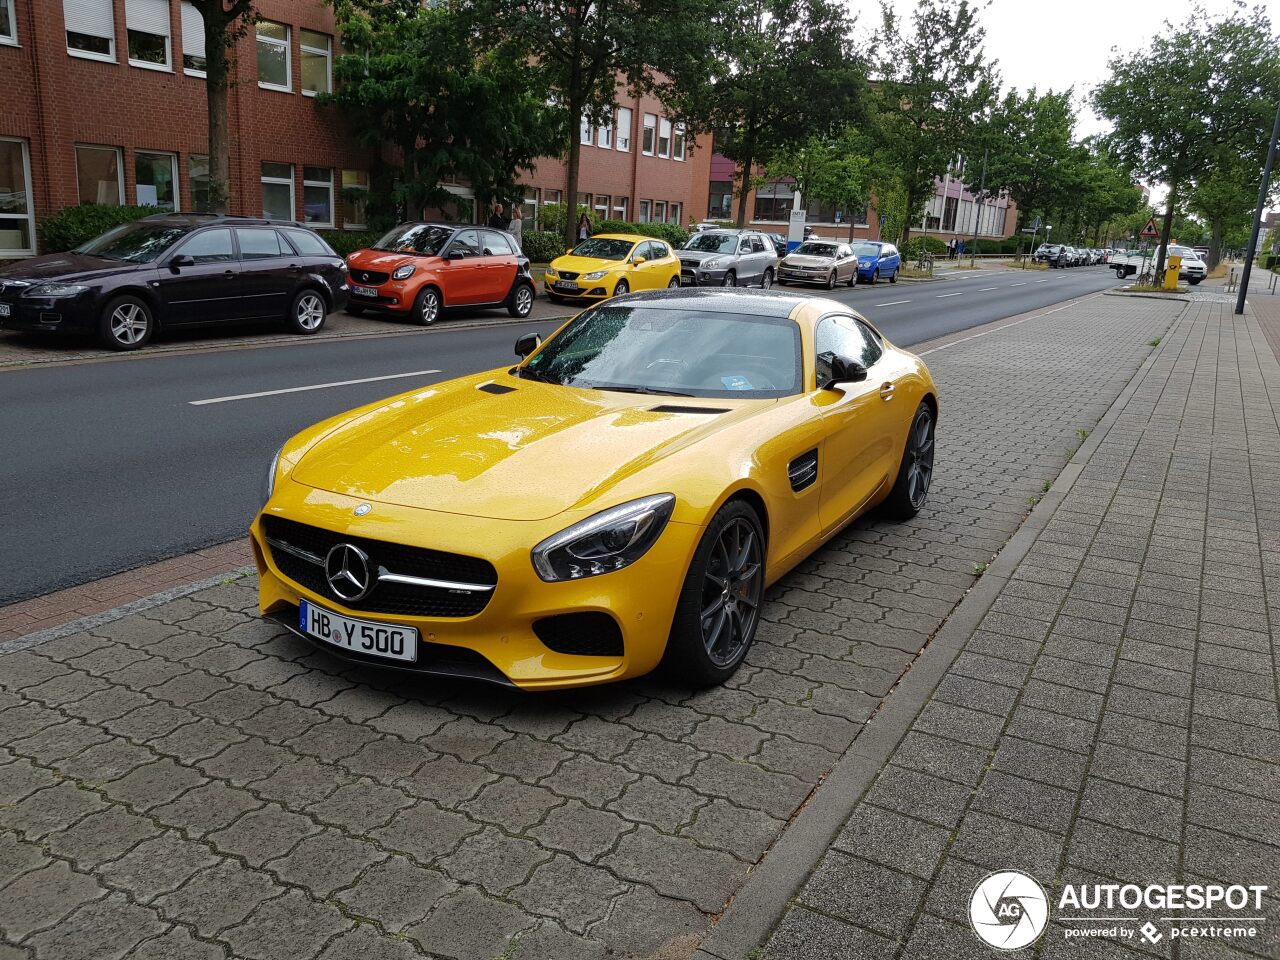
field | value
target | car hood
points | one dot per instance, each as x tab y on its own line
385	261
576	264
807	260
699	256
66	266
528	454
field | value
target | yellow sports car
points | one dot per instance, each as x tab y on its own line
610	265
620	498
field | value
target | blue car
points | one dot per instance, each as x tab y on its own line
877	261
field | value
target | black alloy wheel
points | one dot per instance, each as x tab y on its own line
911	489
521	303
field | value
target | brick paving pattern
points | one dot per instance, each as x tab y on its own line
1114	717
189	781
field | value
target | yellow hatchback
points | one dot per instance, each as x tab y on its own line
611	264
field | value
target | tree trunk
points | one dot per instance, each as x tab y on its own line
1165	232
571	185
906	221
744	184
1215	244
216	70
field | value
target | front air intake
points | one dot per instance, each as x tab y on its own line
803	470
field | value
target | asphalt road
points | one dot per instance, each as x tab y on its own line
107	466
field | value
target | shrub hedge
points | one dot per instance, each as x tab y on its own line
542	246
72	226
911	248
346	242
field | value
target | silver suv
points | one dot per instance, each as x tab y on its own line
728	258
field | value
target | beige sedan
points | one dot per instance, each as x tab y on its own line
827	262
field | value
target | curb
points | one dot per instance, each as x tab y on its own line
761	903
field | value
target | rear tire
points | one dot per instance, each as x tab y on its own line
719	606
911	489
426	307
674	283
126	324
520	303
767	280
893	277
308	312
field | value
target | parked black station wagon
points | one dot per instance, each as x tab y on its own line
176	270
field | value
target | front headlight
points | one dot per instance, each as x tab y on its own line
549	272
55	290
711	263
608	541
404	273
270	486
595	275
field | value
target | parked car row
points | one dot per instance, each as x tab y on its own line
1062	255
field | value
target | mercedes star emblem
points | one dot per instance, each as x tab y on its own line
346	568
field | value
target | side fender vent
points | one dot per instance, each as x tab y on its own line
803	470
677	408
495	388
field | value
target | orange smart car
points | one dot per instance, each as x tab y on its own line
420	269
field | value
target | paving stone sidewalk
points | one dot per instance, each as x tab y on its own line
191	782
1114	717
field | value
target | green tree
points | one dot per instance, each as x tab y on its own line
1028	139
833	170
1225	195
225	22
420	78
1188	95
934	86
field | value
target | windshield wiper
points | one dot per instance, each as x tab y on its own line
528	373
651	391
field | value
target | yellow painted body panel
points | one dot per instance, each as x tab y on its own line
653	274
450	467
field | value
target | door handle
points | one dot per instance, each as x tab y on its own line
294	268
886	390
228	273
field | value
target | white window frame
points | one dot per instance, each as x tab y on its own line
194	38
584	132
645	211
675	210
659	217
650	150
5	39
678	136
352	224
281	181
664	133
604	135
287	43
109	56
173	169
622	141
601	210
620	208
167	66
30	215
328	184
119	169
327	53
552	196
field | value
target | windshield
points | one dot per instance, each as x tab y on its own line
811	249
713	242
866	249
423	239
1186	252
602	248
685	351
135	242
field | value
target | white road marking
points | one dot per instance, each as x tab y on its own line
985	289
1006	326
1045	280
314	386
942	295
891	303
1023	284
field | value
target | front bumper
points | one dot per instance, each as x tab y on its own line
702	277
50	314
792	275
499	643
595	290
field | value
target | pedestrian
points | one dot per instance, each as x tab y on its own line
516	228
584	227
496	219
951	248
960	249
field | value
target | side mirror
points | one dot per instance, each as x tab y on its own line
843	370
568	251
182	260
638	260
528	343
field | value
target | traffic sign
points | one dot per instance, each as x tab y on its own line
1150	229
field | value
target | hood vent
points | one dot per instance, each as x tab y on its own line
677	408
495	388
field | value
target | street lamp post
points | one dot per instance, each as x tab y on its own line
1257	216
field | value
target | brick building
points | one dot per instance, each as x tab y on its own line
106	103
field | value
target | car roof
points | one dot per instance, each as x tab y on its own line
632	237
208	219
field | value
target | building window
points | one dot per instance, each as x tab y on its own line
198	176
17	219
677	146
664	138
949	207
584	200
529	207
277	191
584	131
659	211
601	208
773	202
650	134
720	205
644	215
147	23
8	34
623	140
619	208
673	215
604	136
193	57
552	196
317	62
273	56
355	199
99	175
91	28
156	179
317	196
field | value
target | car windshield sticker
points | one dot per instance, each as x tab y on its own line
736	383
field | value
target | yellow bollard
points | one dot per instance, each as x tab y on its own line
1172	267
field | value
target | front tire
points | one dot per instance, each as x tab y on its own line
621	289
426	307
831	280
307	315
520	305
719	606
730	280
911	489
126	324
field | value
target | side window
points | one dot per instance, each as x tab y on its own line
497	245
209	246
468	241
844	251
874	348
308	244
650	251
758	244
846	337
890	250
744	245
258	244
658	250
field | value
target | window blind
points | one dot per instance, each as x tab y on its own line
147	16
90	17
192	31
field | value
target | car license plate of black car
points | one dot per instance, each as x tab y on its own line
374	638
565	285
4	310
365	291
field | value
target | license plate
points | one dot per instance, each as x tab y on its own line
364	291
565	285
4	309
370	637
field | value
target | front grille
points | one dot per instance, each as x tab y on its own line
370	277
580	634
411	600
567	275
